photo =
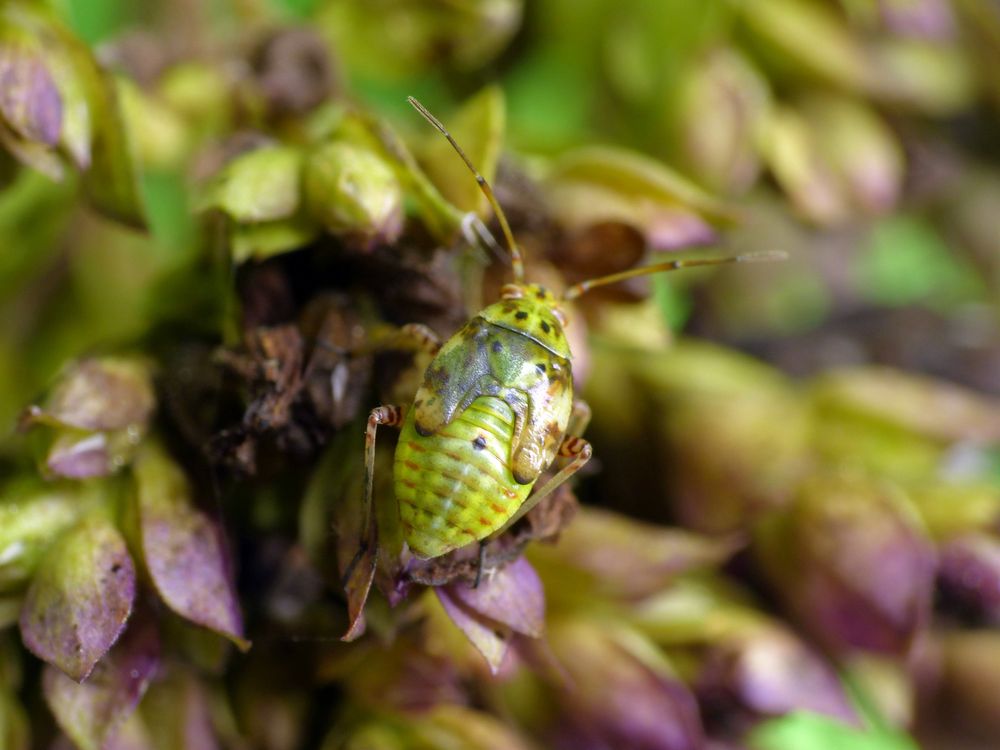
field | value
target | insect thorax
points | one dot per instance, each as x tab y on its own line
534	313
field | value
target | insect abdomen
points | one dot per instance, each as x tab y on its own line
455	487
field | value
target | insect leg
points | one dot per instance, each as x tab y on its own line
572	447
413	337
358	577
579	419
480	562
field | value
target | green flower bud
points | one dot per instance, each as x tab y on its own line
159	135
896	423
721	105
352	192
258	186
32	516
808	37
603	184
478	125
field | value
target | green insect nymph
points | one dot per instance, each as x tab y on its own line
494	411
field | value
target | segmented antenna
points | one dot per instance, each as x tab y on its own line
670	265
516	259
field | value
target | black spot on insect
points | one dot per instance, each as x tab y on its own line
116	567
542	292
541	368
546	327
479	443
521	315
497	347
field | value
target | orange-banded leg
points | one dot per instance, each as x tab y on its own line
572	447
413	337
358	577
579	419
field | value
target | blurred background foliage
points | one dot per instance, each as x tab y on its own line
798	463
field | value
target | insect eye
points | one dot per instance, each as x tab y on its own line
511	291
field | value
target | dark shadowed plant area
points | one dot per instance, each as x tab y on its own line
219	222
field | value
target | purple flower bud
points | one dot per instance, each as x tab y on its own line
768	672
183	548
95	416
619	693
80	597
852	561
90	713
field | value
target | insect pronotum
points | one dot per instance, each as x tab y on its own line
492	413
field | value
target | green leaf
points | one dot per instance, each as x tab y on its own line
806	731
909	262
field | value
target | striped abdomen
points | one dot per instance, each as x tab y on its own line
455	487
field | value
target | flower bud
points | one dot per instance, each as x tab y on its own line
90	713
722	101
32	515
767	672
80	597
603	554
895	423
352	192
31	105
95	416
182	548
734	429
851	560
620	692
603	184
260	193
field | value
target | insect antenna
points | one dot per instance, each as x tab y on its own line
516	259
670	265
